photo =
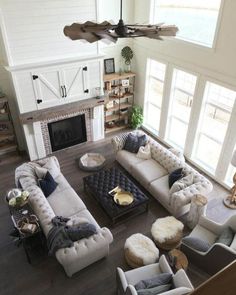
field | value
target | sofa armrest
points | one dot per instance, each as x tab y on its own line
216	227
131	290
122	283
178	291
164	265
181	280
184	196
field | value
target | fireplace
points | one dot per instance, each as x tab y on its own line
67	132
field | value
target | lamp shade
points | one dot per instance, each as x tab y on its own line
233	160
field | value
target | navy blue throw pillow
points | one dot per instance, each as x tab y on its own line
48	184
175	175
134	142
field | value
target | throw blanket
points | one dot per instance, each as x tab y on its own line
63	236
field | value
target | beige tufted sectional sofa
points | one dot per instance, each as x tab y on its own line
64	202
153	174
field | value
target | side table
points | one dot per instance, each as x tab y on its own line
29	240
177	260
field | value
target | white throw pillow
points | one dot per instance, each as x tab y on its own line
182	183
144	152
40	172
53	169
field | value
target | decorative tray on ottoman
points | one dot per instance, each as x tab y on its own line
121	197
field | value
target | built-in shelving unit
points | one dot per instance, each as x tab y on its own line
7	135
119	92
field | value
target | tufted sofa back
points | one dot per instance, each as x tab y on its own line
25	177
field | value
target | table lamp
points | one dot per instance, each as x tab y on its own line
230	201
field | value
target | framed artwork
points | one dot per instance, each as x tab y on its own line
125	83
109	66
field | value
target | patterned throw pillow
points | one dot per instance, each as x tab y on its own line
134	142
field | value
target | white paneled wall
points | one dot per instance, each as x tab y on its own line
34	29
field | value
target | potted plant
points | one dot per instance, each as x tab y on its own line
127	54
136	117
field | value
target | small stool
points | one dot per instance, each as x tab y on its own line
178	260
140	251
167	232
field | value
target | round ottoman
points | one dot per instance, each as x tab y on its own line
140	251
167	232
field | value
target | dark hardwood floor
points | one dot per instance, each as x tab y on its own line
45	276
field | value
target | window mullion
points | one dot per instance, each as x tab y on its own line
166	100
227	147
194	116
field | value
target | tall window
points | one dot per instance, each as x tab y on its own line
182	92
154	94
216	112
196	19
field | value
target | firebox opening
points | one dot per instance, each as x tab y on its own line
67	132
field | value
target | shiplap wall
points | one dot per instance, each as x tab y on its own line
34	28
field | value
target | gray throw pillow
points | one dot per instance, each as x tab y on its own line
161	279
134	142
154	291
197	244
226	237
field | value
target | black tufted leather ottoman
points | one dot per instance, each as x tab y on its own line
99	184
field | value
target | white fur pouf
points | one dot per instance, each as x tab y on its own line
140	250
167	232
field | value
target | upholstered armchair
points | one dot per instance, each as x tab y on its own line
218	255
127	280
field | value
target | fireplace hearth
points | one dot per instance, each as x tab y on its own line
67	132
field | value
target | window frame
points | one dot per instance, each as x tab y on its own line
184	41
169	116
214	172
147	102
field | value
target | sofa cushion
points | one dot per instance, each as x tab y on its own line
148	171
65	202
155	290
127	159
203	234
160	279
159	188
196	243
47	184
134	142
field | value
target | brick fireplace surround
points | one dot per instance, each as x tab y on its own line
35	124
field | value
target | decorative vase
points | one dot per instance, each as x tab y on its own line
127	68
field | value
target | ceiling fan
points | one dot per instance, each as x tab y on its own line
93	32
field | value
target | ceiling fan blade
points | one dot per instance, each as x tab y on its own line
89	31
